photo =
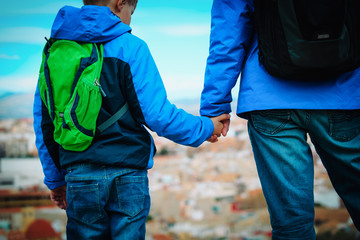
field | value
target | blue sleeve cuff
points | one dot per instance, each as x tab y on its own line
53	185
213	110
56	183
209	126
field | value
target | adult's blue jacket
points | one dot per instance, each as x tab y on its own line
234	50
129	74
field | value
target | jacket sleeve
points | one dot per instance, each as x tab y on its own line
159	114
231	33
53	177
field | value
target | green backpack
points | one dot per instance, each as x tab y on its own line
70	89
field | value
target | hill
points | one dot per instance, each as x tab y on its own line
16	105
19	105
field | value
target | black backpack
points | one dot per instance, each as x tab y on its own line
308	39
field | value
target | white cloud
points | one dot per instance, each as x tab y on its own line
32	35
18	83
188	86
186	30
8	57
183	86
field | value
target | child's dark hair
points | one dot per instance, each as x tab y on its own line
96	2
106	2
132	2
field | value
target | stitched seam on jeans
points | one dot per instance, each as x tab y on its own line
124	200
274	131
78	209
138	210
268	114
122	172
334	131
85	178
131	179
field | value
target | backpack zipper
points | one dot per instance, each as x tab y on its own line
101	89
98	50
72	106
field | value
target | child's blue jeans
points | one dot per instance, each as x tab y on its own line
106	202
286	169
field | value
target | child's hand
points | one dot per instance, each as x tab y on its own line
218	126
58	196
213	139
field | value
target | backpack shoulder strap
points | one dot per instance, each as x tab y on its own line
113	118
51	107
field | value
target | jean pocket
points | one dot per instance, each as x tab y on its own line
131	194
85	202
270	121
344	125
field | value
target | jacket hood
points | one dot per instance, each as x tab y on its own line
87	24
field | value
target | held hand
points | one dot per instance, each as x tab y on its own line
221	125
213	139
58	196
225	129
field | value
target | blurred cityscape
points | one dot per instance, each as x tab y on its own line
211	192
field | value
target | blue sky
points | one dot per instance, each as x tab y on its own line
177	33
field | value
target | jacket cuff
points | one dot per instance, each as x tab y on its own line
53	185
209	128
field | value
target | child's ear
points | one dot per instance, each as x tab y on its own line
120	4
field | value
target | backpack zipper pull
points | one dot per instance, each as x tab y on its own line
101	89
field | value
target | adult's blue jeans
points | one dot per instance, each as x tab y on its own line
285	164
106	202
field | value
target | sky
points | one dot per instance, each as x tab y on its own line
177	33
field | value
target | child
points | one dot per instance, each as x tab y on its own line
104	189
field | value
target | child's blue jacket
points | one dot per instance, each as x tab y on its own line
234	50
129	74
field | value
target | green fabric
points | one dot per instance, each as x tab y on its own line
76	100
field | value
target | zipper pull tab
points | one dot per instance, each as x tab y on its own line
101	89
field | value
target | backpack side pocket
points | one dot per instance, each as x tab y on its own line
80	115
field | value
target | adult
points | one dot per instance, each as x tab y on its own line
281	114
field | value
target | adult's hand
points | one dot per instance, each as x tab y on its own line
226	126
